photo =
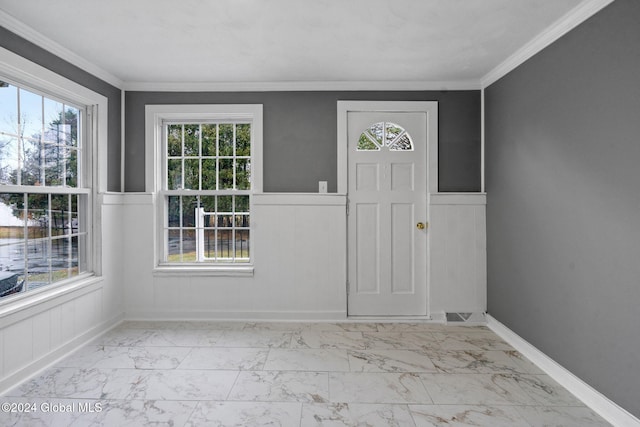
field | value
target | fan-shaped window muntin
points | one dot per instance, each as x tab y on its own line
385	134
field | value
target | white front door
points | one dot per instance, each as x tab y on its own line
387	213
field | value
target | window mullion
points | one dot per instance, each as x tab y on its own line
215	230
20	141
200	158
42	150
182	163
85	124
217	154
165	147
180	214
70	234
63	120
25	247
49	235
233	227
233	162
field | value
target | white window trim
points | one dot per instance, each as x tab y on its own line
24	72
155	115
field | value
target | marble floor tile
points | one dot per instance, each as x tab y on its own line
540	416
524	364
409	327
337	327
65	383
356	387
396	340
185	385
318	360
126	357
243	414
125	413
479	340
475	389
355	414
545	391
160	337
390	361
270	386
357	327
183	324
225	358
34	416
274	326
54	412
475	362
329	339
253	338
179	373
140	413
451	342
172	384
125	337
461	415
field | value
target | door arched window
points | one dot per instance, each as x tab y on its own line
385	134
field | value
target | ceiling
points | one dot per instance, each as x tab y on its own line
241	41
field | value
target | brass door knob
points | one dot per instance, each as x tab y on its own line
421	226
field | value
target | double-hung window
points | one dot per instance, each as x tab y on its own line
45	189
207	173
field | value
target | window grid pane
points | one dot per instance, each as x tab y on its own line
208	229
216	158
41	240
43	234
39	143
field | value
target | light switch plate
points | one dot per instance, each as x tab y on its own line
322	186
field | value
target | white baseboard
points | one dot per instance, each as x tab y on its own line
142	314
595	400
37	366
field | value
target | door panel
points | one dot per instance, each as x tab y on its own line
387	189
402	177
367	178
367	249
402	248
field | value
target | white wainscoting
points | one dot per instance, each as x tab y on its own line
37	329
458	253
299	249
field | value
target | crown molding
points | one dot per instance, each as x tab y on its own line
568	22
301	86
565	24
29	34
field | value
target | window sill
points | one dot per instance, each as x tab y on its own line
203	271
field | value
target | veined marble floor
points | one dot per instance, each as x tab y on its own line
295	374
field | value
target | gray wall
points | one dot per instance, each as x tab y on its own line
300	131
563	195
30	51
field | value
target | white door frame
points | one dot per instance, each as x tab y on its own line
431	110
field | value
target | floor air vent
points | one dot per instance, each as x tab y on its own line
465	317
